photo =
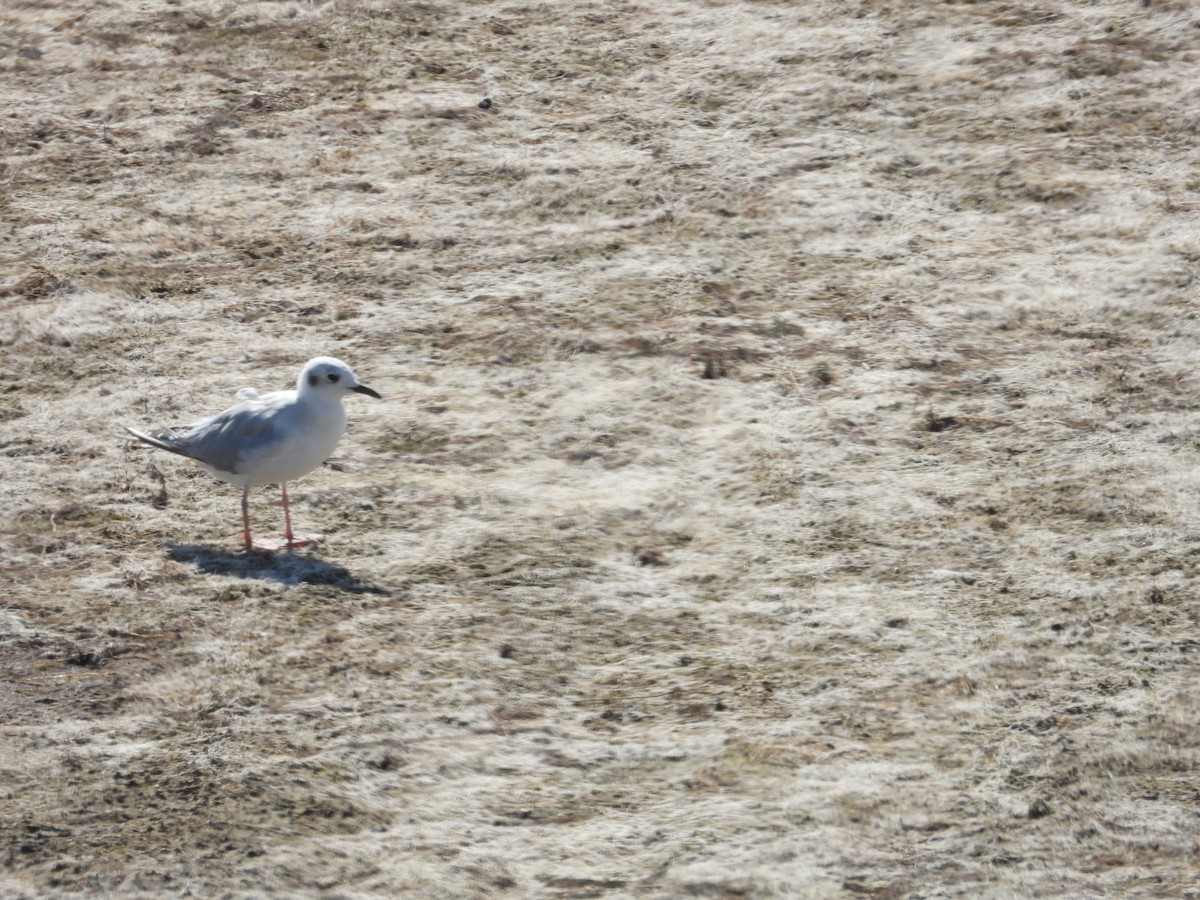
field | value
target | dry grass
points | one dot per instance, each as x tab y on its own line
786	484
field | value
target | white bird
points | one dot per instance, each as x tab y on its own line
269	438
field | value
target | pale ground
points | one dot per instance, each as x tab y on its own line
899	602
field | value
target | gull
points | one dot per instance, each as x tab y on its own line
269	438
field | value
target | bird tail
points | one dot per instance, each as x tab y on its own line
155	441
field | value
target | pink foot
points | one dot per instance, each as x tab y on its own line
274	545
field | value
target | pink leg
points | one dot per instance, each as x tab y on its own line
287	516
290	538
246	518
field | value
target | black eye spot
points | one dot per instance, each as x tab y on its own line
312	380
332	376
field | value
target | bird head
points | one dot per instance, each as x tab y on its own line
329	377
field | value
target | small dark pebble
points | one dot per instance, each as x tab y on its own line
940	423
651	558
485	103
714	367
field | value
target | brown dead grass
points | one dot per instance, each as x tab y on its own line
786	484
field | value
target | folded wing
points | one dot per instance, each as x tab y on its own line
250	427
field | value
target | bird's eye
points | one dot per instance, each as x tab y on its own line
332	376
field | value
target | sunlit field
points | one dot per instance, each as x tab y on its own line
785	484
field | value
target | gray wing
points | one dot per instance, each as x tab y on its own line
224	440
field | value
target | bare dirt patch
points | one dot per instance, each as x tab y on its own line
786	484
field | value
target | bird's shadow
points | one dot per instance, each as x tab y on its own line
286	568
